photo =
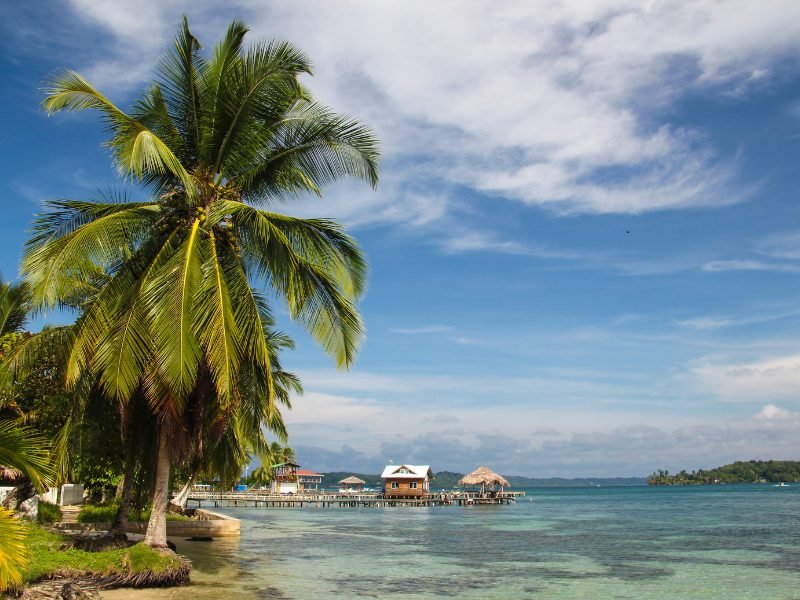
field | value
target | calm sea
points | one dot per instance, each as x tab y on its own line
734	541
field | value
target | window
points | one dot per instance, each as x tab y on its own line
403	471
395	485
413	485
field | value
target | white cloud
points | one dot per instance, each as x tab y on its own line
770	379
770	412
632	450
564	105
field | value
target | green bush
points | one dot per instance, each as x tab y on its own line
48	513
98	513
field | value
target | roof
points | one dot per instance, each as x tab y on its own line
484	476
414	472
352	480
10	474
308	473
286	464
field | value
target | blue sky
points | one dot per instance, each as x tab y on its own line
585	248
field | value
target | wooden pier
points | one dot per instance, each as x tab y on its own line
259	499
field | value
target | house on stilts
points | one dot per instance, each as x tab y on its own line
406	481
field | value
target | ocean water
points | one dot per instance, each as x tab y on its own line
732	541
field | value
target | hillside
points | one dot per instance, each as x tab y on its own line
752	471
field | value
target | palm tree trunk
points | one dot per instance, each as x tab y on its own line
120	524
180	497
156	535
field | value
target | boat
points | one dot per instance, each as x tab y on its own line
781	484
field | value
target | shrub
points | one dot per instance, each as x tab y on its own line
98	513
48	513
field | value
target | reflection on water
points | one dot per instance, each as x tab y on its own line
697	542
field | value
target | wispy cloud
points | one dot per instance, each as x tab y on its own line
784	245
425	329
720	321
720	266
472	241
463	240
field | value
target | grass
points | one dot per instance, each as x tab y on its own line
105	513
48	513
46	559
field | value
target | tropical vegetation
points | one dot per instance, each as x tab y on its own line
752	471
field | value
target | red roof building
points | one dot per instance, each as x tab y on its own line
309	480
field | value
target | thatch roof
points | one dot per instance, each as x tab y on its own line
9	474
352	481
484	476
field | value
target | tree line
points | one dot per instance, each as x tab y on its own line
753	471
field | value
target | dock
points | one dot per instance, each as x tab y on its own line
263	499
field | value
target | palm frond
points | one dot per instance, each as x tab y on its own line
112	337
137	150
225	58
169	299
180	81
216	327
74	238
21	361
313	291
24	449
260	89
14	555
310	148
14	306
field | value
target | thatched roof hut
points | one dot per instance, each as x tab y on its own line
484	476
9	474
352	481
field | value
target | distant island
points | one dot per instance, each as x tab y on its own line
446	480
752	471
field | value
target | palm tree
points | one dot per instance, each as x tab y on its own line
215	140
281	454
24	450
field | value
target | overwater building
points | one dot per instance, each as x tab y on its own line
406	481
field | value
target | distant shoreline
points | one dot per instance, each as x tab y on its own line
752	471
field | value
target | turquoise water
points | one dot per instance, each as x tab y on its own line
616	542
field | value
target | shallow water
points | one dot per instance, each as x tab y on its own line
616	542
